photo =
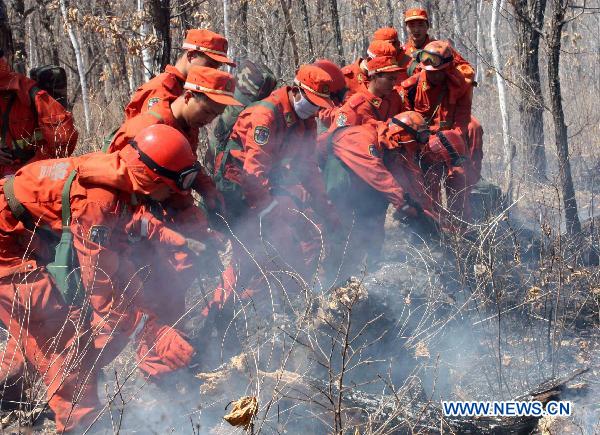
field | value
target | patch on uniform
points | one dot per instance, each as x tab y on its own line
289	118
152	102
55	171
374	151
424	86
99	234
261	135
341	120
376	102
361	78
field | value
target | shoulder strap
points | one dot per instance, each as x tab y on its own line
6	119
455	158
412	67
66	200
18	210
155	114
33	91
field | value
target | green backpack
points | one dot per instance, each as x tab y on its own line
254	82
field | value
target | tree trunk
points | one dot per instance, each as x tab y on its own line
337	32
80	64
509	149
306	22
290	31
244	29
560	127
457	28
161	18
389	13
480	64
6	41
146	55
47	21
18	27
529	16
227	33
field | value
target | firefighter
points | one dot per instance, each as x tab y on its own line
445	163
356	73
89	200
378	100
443	96
389	34
417	24
370	166
267	171
338	92
206	94
202	48
33	125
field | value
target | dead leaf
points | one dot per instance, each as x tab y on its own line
533	293
243	412
506	360
421	350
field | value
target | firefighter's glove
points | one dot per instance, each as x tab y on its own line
145	225
173	348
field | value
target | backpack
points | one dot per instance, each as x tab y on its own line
254	82
52	79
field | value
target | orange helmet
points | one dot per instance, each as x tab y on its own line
447	146
436	55
407	127
166	153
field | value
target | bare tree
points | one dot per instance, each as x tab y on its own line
529	20
290	31
161	18
509	151
79	59
557	22
337	32
6	42
18	37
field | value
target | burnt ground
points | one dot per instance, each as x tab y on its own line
487	319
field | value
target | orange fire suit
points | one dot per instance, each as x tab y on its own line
273	159
446	107
52	336
355	77
363	107
166	86
33	125
377	178
448	165
186	219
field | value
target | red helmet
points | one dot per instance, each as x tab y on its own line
446	146
407	127
335	72
166	153
436	55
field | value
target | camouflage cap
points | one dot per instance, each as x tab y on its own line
254	81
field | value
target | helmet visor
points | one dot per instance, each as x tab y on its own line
188	176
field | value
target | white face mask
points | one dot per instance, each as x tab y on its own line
304	108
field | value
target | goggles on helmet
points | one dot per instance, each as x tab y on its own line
183	179
429	58
421	136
